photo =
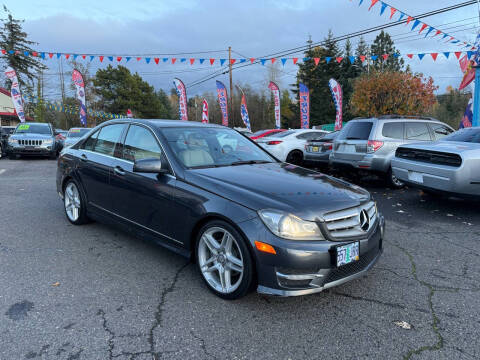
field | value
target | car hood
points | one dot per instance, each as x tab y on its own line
31	136
456	147
305	193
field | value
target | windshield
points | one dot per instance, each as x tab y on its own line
76	133
259	132
198	147
356	130
43	129
471	135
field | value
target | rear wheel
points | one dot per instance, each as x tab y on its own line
224	260
295	157
394	181
74	204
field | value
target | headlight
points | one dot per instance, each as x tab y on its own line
47	142
289	226
12	141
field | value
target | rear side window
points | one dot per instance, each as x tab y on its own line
417	131
108	138
393	130
440	131
357	130
89	144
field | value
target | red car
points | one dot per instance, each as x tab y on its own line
265	133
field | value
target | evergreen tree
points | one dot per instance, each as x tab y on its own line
361	50
13	38
348	74
382	45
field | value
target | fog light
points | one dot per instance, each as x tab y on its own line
265	247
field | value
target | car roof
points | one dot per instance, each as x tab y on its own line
163	123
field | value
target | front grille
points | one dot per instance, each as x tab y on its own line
427	156
347	223
352	268
30	142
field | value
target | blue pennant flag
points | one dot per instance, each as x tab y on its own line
327	59
284	60
306	59
58	55
201	61
110	58
402	15
128	58
469	53
263	61
26	53
374	57
183	59
147	60
92	57
222	61
455	42
382	10
415	24
360	3
352	59
42	55
430	29
447	54
396	55
420	56
165	59
242	60
11	51
445	35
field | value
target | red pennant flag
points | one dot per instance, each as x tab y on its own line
423	28
317	60
437	33
410	56
362	58
119	58
101	58
434	56
392	12
457	54
139	58
451	38
232	61
273	60
67	56
295	61
409	19
173	60
192	60
373	4
34	53
84	56
212	61
156	60
4	51
50	55
252	60
339	59
385	56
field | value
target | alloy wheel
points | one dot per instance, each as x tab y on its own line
220	260
395	181
72	202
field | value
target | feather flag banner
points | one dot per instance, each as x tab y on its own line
182	99
337	95
304	95
276	98
222	101
15	93
205	111
77	79
244	112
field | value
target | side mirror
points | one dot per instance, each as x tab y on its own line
152	166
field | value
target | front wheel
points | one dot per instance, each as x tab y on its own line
394	181
224	260
74	204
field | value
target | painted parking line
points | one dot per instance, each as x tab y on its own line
2	171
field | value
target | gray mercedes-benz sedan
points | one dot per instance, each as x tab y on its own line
450	165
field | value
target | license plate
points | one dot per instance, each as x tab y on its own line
314	148
347	254
415	176
29	147
348	148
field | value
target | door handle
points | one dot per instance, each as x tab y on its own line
83	157
118	170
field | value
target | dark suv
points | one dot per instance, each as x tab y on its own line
5	132
33	139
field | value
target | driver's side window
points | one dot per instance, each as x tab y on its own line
140	144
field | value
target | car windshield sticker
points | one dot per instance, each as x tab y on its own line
75	130
23	127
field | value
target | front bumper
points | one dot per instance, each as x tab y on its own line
302	267
31	150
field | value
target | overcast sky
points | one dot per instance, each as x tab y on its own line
253	28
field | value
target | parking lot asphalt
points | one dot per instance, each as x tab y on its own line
93	292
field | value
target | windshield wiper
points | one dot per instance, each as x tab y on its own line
249	162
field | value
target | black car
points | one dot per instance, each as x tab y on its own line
5	132
33	139
246	219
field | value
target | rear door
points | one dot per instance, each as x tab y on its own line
351	143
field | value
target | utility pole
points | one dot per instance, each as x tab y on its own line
231	83
62	89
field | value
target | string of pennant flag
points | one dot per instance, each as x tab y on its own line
222	61
71	109
422	27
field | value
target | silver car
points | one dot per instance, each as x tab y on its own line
370	144
75	134
450	165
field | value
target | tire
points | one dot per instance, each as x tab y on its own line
74	199
393	181
295	157
221	252
53	156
